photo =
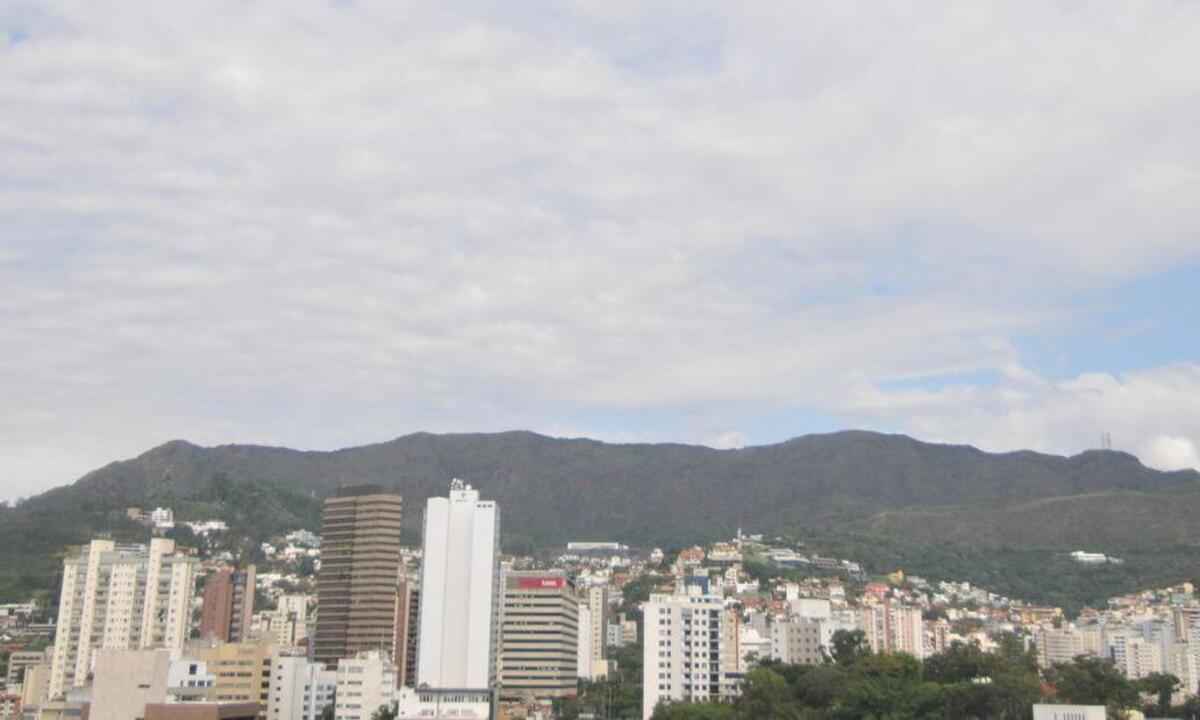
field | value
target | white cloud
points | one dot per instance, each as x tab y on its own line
334	223
1171	453
729	440
1154	414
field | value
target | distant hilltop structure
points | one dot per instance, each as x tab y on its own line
1090	558
591	547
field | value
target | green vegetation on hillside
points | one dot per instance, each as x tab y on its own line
946	512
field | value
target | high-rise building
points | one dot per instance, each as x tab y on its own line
459	591
583	651
683	655
539	637
300	689
228	605
597	603
119	597
360	572
408	632
894	629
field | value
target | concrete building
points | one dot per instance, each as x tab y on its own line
408	631
242	671
126	681
583	650
799	641
35	689
424	704
287	624
365	683
228	605
300	688
539	637
201	711
119	597
359	575
1136	656
18	663
459	592
894	629
597	604
682	655
752	647
1059	645
1069	712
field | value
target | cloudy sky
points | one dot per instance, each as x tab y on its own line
322	224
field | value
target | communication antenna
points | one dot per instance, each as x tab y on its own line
1106	441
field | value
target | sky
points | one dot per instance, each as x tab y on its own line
325	224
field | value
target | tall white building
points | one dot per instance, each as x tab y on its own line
300	688
365	683
583	657
460	591
683	652
597	604
119	597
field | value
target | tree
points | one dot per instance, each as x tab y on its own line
1093	681
692	711
1162	686
849	646
385	712
765	694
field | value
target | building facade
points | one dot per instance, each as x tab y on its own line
408	632
683	655
300	688
539	637
228	605
241	671
119	597
365	683
459	591
597	603
359	575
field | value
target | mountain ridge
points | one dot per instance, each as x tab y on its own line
893	488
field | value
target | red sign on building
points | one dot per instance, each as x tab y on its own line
527	583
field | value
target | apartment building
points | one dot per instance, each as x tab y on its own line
894	629
682	655
119	597
228	605
539	637
300	688
597	604
287	624
798	641
365	683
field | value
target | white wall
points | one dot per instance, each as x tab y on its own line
460	592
